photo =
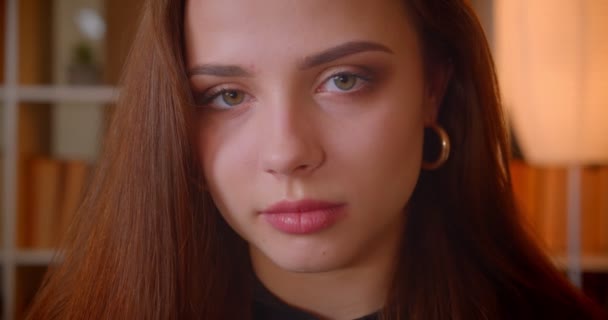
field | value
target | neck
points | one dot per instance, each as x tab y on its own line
351	292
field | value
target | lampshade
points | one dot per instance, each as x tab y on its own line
552	59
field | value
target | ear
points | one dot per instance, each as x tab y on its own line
438	79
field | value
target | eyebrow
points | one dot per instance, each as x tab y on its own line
341	51
219	70
324	57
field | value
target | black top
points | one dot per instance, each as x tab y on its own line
268	307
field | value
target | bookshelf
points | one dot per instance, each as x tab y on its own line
52	117
541	193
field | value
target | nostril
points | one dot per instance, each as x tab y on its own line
300	168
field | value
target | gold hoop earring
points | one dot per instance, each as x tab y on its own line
445	149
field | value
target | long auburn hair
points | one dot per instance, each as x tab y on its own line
149	243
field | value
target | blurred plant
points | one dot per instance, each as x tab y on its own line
83	69
83	54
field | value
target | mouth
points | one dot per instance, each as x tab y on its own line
304	216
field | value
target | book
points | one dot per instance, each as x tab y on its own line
603	210
525	184
552	197
44	184
590	210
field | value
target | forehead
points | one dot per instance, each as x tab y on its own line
226	28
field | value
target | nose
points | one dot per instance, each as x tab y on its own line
291	144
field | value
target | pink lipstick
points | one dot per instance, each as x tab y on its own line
304	216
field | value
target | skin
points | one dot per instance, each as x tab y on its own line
295	134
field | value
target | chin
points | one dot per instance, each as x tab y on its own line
309	266
307	260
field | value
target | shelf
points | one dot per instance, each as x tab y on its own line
34	257
93	94
30	257
589	263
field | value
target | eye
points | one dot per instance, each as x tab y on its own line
222	98
343	82
232	97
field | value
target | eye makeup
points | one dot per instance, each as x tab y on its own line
344	80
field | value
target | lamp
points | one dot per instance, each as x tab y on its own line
552	58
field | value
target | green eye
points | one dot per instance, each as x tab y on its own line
233	97
345	81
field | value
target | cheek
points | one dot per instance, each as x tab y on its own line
225	158
381	153
386	136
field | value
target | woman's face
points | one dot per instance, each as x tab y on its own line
316	105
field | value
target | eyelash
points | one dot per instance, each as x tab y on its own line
212	94
207	97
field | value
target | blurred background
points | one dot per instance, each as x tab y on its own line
60	61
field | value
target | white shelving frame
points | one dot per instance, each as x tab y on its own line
11	94
58	93
11	116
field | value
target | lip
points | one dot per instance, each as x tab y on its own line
303	216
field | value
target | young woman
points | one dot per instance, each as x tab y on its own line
269	160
